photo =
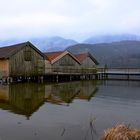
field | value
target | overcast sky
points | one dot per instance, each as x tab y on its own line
76	19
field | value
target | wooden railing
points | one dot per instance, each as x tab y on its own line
93	70
119	70
71	70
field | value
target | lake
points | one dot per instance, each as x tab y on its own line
67	111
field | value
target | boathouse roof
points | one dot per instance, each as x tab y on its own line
7	51
82	56
55	56
52	55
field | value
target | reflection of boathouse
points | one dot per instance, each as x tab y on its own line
22	99
67	92
26	98
88	90
62	93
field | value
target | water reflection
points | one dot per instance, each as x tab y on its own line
65	93
63	111
22	99
26	98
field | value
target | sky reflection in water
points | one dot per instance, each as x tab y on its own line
75	110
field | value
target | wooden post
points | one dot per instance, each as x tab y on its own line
106	76
28	78
9	80
70	77
96	76
127	76
99	76
41	79
57	78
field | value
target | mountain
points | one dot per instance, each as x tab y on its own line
53	43
111	38
44	44
117	54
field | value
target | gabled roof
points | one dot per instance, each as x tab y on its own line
7	51
55	56
52	55
81	57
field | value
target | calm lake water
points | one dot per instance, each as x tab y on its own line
67	111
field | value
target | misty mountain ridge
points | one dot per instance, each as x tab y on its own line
53	44
111	38
117	54
114	53
57	43
44	44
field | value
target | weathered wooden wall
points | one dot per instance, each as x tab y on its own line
48	67
26	62
4	67
65	64
88	63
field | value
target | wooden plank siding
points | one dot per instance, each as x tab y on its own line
24	64
4	68
24	60
88	63
65	63
87	60
60	62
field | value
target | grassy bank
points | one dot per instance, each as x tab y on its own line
121	132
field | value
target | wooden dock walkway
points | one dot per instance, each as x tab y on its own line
119	73
61	75
98	74
57	74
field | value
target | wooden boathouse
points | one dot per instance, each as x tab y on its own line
87	60
20	61
24	61
64	65
61	62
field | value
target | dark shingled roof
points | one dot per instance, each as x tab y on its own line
7	51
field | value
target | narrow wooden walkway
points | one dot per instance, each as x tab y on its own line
98	74
60	75
119	73
132	71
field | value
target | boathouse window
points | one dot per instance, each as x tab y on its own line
27	55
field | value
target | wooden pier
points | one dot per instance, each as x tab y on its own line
24	62
119	73
97	74
58	75
61	75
